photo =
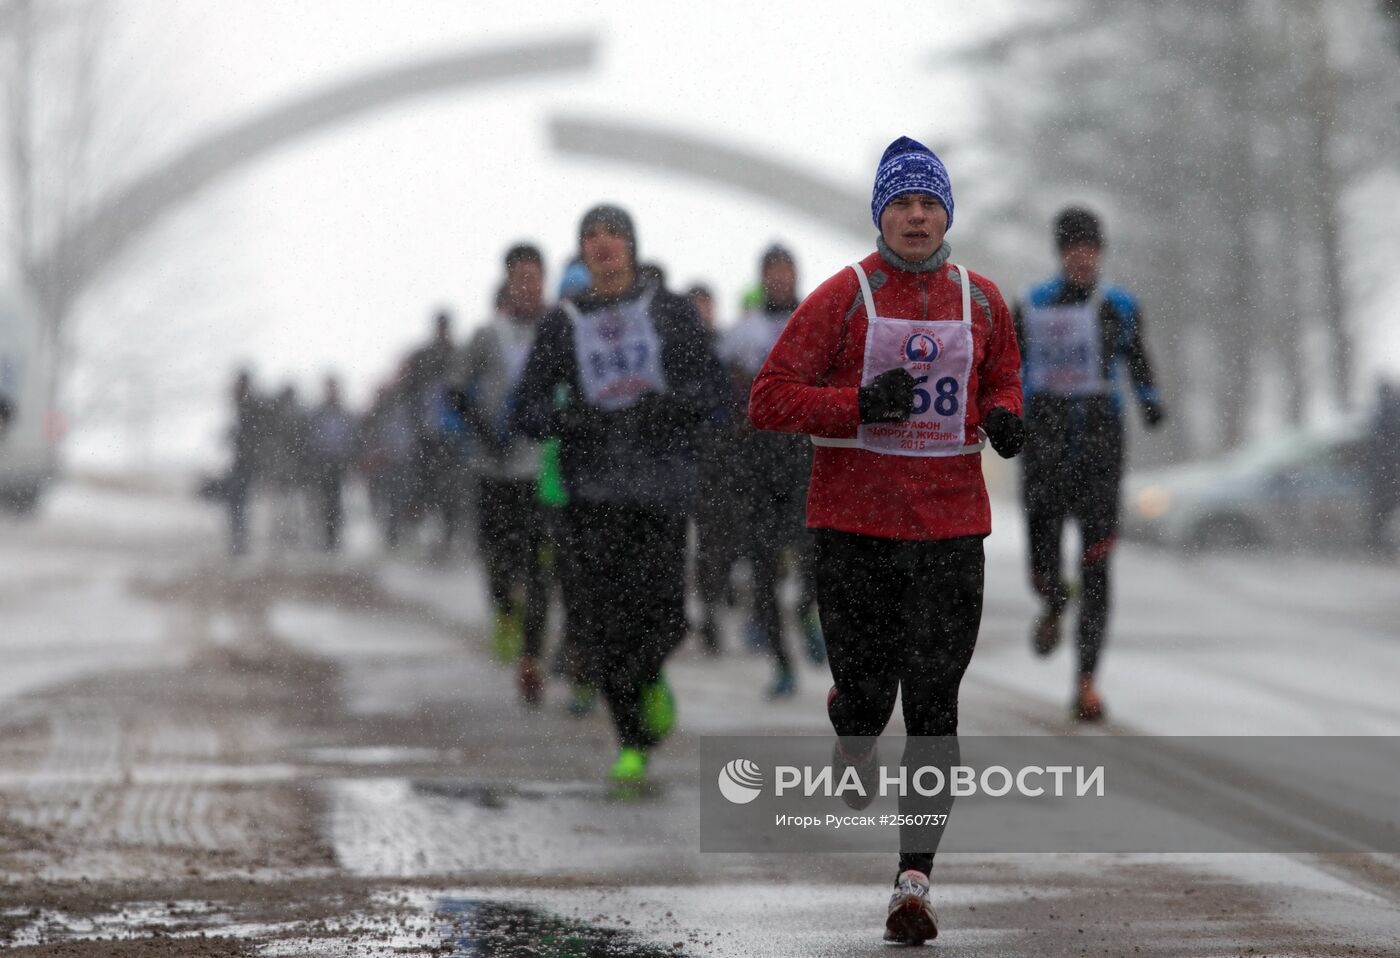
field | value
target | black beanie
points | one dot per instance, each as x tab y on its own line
776	253
523	253
1075	226
615	219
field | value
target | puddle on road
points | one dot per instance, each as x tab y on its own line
492	929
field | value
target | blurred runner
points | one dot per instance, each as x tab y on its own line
1076	336
286	468
387	444
624	376
896	366
440	486
246	436
771	472
332	429
716	524
510	527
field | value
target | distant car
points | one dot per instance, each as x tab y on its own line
1305	491
29	441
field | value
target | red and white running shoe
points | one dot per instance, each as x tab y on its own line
911	919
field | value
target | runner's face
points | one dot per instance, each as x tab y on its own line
779	281
604	251
1081	263
525	284
913	225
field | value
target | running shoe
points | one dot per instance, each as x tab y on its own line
506	637
630	769
911	919
867	767
658	709
1088	706
812	633
1046	634
531	683
784	685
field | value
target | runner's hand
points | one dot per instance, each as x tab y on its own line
888	398
1006	432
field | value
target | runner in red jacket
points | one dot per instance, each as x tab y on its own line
897	367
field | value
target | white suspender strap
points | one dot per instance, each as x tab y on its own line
869	300
966	293
865	293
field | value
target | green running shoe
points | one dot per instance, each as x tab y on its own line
658	709
630	769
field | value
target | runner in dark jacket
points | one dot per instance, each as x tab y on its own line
624	375
1077	336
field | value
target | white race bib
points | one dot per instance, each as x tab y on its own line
1064	346
938	354
618	352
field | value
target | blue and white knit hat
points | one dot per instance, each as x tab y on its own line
910	167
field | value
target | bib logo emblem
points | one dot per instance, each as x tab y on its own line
611	326
921	348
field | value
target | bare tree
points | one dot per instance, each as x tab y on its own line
1219	139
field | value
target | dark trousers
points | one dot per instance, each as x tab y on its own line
330	491
773	523
236	488
511	535
1072	469
628	604
900	618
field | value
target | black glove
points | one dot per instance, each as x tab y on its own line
1153	413
1006	432
888	398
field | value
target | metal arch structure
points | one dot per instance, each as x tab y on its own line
826	201
93	243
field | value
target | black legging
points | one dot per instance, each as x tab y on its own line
1072	469
900	618
629	602
511	539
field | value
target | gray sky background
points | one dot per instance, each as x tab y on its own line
332	253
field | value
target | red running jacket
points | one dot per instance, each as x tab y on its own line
809	384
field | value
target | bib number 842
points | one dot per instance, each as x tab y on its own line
944	399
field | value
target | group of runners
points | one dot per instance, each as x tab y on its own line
866	405
836	436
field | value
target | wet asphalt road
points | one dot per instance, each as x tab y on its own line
302	756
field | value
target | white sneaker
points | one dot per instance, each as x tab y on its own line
911	919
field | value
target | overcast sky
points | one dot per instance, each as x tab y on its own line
332	253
